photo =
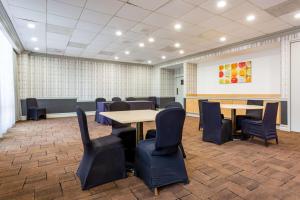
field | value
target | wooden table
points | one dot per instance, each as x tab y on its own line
133	116
234	107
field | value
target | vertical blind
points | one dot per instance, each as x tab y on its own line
7	88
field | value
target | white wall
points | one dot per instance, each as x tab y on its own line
295	84
265	75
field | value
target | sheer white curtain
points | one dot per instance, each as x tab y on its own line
7	86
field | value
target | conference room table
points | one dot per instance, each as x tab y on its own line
133	116
134	105
234	107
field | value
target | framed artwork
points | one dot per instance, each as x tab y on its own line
240	72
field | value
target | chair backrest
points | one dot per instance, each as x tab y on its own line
174	104
212	119
200	101
116	99
85	137
130	99
153	99
169	125
31	103
119	106
99	100
269	120
256	114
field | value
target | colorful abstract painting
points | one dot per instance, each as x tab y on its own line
235	73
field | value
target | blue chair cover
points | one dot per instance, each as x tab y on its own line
34	111
250	114
97	115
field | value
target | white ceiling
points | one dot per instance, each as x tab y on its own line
86	28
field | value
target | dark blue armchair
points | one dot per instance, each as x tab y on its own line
159	161
34	111
250	114
200	101
215	129
152	132
103	158
97	115
116	99
265	129
125	132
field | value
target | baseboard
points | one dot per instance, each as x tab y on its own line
61	115
284	128
192	115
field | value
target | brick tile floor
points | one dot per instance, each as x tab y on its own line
39	159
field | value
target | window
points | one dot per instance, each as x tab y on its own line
7	89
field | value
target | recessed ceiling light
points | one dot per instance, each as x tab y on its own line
177	26
151	39
31	25
297	15
250	18
116	58
149	61
221	4
141	44
181	51
127	52
222	39
119	33
163	57
36	48
34	39
177	45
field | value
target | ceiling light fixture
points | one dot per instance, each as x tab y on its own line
34	39
119	33
222	39
116	58
31	25
177	45
127	52
36	48
177	27
141	44
297	15
221	4
163	57
250	18
149	61
181	51
151	39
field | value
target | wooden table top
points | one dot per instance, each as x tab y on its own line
241	106
131	116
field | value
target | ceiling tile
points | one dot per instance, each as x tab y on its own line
273	25
104	6
61	21
195	2
133	13
27	14
196	16
82	25
289	18
158	20
59	30
144	28
94	17
175	8
149	5
79	3
211	5
264	4
82	36
216	21
121	24
57	41
63	9
71	51
35	5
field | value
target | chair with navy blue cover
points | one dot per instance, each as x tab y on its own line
250	114
152	132
264	129
159	161
201	112
34	111
116	99
130	99
124	131
154	100
215	129
97	111
103	158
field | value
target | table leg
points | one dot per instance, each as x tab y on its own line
139	131
233	119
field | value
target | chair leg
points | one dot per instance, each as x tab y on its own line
182	150
156	191
266	143
277	140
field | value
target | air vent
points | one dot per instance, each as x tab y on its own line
168	49
57	51
106	53
77	45
284	8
